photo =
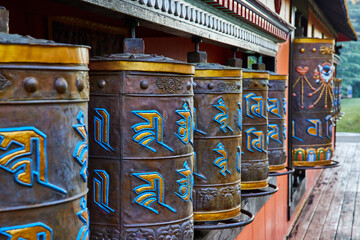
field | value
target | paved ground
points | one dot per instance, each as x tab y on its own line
333	208
348	137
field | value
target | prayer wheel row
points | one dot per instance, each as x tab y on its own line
166	141
169	136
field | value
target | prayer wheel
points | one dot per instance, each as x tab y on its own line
217	142
276	107
254	161
312	87
141	157
44	97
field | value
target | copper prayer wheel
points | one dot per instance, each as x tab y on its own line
141	138
44	97
254	161
276	107
312	107
217	142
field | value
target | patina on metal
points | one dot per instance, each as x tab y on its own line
217	142
141	156
276	107
43	139
312	86
254	161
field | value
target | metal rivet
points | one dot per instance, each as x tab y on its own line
238	86
194	85
210	86
264	85
80	85
30	84
255	85
144	84
61	85
101	84
302	50
314	49
188	85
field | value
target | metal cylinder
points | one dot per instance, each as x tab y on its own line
312	87
254	161
43	139
141	136
276	107
217	142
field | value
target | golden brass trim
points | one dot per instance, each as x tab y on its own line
314	40
278	77
311	164
11	53
276	167
254	185
216	216
141	66
218	73
262	75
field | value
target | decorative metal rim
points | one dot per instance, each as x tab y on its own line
37	53
145	66
258	75
290	170
313	40
226	224
260	192
332	165
218	72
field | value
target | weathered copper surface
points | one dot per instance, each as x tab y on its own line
141	138
43	142
312	84
254	161
217	142
276	106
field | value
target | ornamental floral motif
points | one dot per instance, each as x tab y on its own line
169	84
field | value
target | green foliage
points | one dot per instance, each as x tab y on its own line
350	121
349	66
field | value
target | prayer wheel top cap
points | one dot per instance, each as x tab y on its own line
277	76
15	48
314	40
216	70
139	62
255	74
